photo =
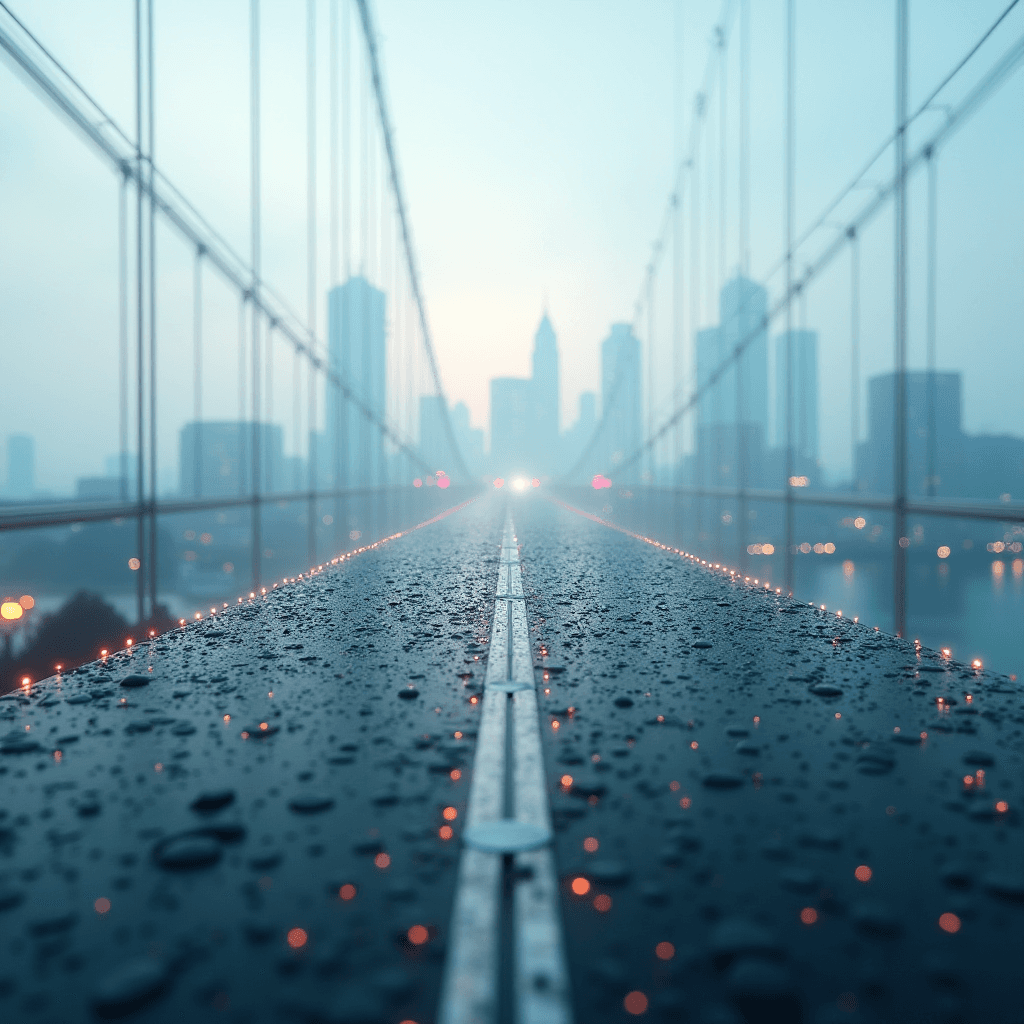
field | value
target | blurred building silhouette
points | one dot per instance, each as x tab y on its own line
357	353
435	444
965	466
21	467
805	395
511	435
525	421
577	437
215	459
621	400
742	309
545	423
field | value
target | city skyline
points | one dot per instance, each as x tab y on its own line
483	311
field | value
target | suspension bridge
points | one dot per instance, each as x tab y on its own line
468	743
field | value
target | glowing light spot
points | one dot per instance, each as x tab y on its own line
227	718
590	844
635	1003
417	935
455	775
863	873
11	611
445	832
102	905
686	803
949	923
602	903
297	938
1002	806
556	724
976	664
449	814
566	781
694	744
134	564
580	886
674	786
809	915
382	860
664	951
347	892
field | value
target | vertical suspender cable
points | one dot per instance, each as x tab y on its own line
700	451
268	410
311	260
650	374
254	130
341	426
243	434
333	107
677	267
346	139
932	257
152	574
744	323
197	373
900	402
789	160
331	408
140	313
854	237
296	482
122	297
364	145
722	137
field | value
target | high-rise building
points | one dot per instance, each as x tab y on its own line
357	353
215	459
21	467
435	444
621	401
805	394
511	410
950	463
578	436
742	312
733	412
545	421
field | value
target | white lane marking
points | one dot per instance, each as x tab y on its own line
469	992
541	981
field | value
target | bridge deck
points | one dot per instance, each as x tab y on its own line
260	831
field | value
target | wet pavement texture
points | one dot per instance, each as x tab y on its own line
244	820
762	813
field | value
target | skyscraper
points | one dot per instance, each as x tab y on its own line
805	394
357	353
511	410
621	400
21	466
545	423
435	444
215	459
742	309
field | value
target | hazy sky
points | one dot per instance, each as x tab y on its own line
537	142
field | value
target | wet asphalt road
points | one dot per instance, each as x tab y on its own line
733	756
